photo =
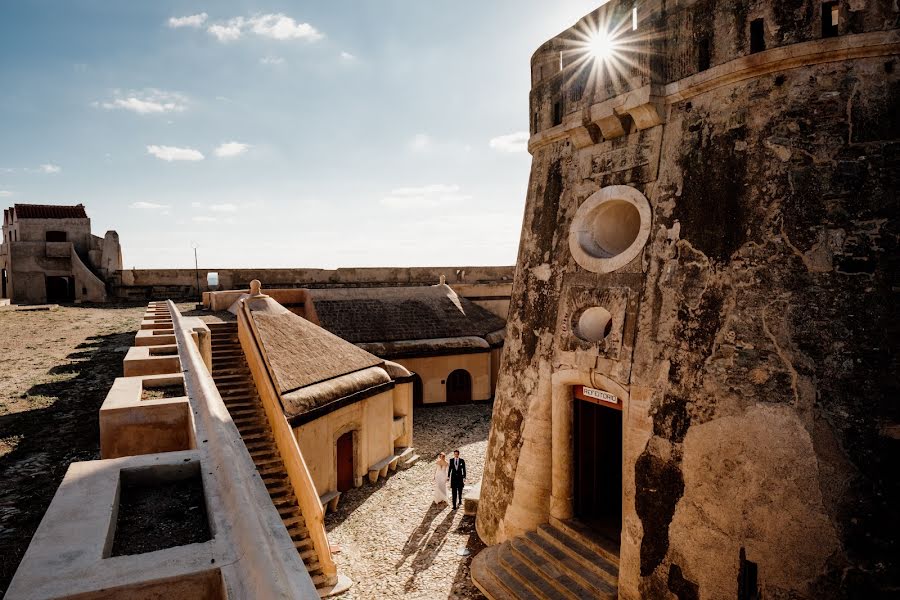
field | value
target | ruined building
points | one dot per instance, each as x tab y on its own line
48	254
697	397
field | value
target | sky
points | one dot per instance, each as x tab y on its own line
319	133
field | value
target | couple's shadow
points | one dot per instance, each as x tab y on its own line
425	547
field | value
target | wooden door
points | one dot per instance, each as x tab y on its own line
459	387
345	462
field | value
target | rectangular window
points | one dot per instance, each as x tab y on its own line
634	18
830	19
757	36
534	123
557	113
56	236
703	54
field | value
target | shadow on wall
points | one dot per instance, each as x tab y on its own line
49	438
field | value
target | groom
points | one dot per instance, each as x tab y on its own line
457	475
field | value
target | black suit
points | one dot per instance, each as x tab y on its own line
457	474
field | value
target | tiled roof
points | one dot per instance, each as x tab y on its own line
49	211
363	315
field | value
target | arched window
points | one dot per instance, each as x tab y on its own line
459	387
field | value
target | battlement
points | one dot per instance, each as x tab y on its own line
613	72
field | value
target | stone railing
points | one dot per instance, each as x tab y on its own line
295	465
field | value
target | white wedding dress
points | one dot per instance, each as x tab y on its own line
440	484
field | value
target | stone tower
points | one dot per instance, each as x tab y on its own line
709	250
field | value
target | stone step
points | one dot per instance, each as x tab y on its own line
577	549
565	573
531	578
494	581
601	546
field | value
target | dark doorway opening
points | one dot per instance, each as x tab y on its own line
345	462
598	468
459	387
57	236
3	279
60	289
418	390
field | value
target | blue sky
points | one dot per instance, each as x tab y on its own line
328	133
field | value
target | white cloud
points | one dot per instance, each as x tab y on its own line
194	21
49	168
230	149
196	205
170	153
228	32
227	207
149	206
145	102
426	196
204	219
346	56
5	193
271	60
281	27
513	142
276	26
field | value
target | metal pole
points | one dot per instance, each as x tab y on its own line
197	273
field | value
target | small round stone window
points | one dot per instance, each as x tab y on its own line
610	228
594	324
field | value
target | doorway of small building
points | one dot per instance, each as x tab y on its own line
598	467
3	280
345	462
459	387
418	390
60	289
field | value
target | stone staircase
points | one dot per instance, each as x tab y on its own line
555	562
235	384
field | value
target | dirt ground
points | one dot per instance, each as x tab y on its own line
57	367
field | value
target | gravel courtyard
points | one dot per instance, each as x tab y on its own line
394	542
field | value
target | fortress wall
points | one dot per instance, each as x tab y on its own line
752	336
487	286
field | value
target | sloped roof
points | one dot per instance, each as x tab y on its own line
302	354
49	211
366	315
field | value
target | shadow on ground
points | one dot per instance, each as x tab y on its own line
49	438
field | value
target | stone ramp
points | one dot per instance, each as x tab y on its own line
235	384
555	562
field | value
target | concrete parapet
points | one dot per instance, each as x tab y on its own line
136	419
151	360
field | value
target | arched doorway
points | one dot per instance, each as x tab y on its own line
459	387
418	390
345	462
60	289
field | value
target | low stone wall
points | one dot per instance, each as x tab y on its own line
487	286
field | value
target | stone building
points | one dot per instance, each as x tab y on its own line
698	393
48	254
451	344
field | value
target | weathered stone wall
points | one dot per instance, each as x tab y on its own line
753	337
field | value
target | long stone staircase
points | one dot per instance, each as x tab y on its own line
555	562
235	384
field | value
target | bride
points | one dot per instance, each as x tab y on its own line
440	479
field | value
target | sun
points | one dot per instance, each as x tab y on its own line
601	45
